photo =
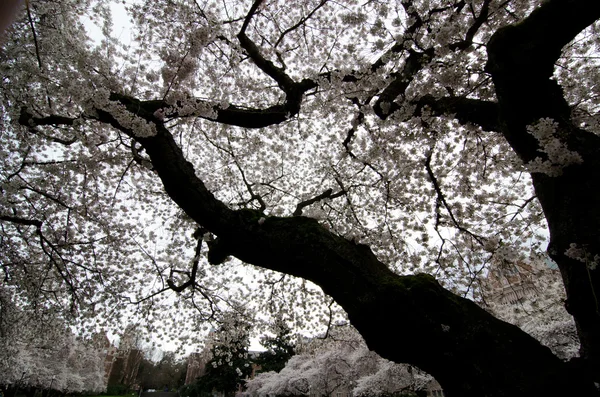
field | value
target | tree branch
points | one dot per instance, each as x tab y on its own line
479	21
21	221
198	234
471	346
414	63
327	194
300	22
521	61
465	110
230	115
442	199
285	82
27	119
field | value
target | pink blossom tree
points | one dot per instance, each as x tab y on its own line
387	152
341	364
38	351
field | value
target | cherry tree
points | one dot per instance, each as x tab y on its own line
387	152
41	352
342	363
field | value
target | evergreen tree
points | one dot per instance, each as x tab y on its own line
280	348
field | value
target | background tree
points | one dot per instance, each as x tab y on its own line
341	363
38	352
230	364
280	348
168	373
385	151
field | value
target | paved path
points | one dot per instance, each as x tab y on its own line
159	394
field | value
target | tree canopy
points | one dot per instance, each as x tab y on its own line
389	152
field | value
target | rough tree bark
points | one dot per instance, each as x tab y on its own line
412	319
408	319
521	61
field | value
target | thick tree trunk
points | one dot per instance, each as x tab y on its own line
521	60
408	319
412	319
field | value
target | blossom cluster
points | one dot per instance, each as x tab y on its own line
558	154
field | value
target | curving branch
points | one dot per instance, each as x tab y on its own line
474	28
521	62
441	199
285	82
27	119
231	115
300	22
52	252
460	344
